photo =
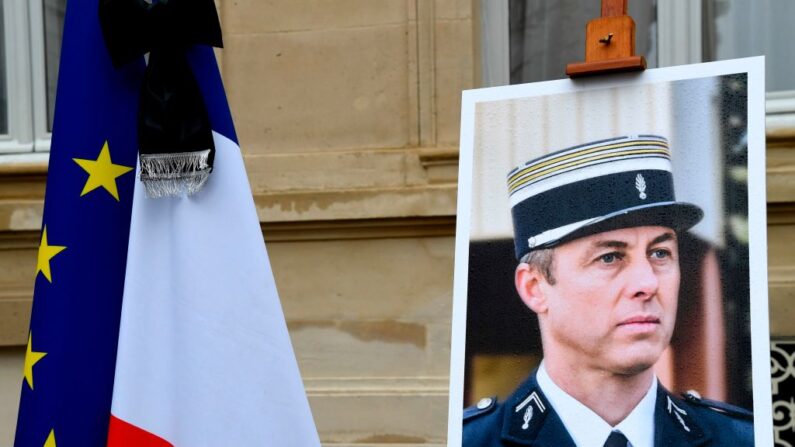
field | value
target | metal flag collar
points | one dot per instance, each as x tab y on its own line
176	149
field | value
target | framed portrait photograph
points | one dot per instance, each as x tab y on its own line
611	262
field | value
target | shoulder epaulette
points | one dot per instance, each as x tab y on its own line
721	407
484	406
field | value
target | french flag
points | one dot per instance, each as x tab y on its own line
173	335
204	356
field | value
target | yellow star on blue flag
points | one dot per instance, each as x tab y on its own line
31	358
46	253
102	173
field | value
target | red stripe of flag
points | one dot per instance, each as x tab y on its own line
123	434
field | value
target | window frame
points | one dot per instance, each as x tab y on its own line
26	81
41	134
680	42
495	43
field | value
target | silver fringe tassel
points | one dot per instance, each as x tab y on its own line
170	175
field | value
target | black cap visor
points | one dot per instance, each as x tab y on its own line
678	216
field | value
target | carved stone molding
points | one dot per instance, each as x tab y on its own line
781	167
411	418
359	229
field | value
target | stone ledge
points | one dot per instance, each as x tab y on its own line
378	386
781	172
16	287
349	169
347	229
781	276
320	207
780	214
376	420
405	202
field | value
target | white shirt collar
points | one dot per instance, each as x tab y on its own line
587	429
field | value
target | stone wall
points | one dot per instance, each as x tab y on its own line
781	229
348	116
347	113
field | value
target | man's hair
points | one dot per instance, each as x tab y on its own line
542	261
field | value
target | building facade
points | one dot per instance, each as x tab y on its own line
347	113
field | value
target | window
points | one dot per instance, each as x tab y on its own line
740	28
3	81
30	40
711	30
533	40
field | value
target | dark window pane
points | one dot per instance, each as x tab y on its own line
53	30
3	89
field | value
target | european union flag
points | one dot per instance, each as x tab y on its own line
71	353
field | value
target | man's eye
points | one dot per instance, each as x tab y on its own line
610	258
660	253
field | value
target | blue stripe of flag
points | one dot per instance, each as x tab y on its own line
75	319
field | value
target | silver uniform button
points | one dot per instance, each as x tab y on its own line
484	403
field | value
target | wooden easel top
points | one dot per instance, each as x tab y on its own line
609	43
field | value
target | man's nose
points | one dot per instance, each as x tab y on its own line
643	279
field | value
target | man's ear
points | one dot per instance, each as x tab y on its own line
528	282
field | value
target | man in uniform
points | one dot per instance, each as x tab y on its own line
595	229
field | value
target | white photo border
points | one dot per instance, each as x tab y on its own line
757	218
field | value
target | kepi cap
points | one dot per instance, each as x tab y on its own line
600	186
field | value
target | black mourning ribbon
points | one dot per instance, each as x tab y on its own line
174	132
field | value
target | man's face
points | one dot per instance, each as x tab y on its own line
613	304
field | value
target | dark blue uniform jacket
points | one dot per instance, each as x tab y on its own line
527	419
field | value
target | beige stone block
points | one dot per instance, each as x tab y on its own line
360	348
453	9
782	309
17	276
386	348
337	170
11	360
781	240
380	419
268	16
21	215
15	319
383	310
319	90
18	265
437	200
405	279
780	160
454	73
781	277
439	348
445	171
18	252
22	181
